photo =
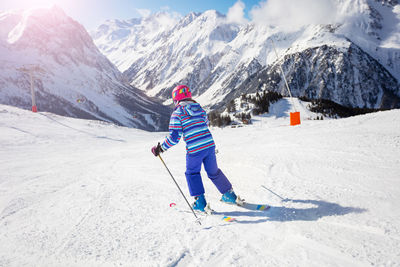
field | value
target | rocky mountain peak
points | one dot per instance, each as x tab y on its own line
217	59
77	80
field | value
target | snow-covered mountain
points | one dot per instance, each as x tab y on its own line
118	38
329	73
354	61
77	80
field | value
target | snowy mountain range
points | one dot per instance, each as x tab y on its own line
77	80
353	61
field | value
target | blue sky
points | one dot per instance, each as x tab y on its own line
92	13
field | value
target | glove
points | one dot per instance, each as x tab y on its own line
156	150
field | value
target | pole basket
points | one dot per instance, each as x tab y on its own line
294	118
34	109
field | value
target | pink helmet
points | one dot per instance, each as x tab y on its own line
181	92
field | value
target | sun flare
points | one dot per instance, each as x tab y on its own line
39	3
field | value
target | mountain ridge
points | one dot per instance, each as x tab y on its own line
78	80
213	68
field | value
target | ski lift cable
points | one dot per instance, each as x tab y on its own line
283	74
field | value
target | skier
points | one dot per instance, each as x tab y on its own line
190	120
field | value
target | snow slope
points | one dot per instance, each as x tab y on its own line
87	193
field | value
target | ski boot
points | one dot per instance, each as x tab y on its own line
200	203
229	197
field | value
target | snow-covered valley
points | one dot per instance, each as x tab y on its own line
86	193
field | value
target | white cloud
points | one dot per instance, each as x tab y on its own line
236	13
168	20
291	14
143	12
172	14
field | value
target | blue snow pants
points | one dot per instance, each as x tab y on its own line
193	167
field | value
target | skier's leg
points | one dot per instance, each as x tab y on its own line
193	177
214	173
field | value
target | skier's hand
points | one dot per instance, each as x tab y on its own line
156	150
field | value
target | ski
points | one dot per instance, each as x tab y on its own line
253	206
208	211
249	206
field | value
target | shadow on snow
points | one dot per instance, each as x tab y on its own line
283	214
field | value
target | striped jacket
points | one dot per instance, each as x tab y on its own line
190	120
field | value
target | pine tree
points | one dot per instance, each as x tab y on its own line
231	107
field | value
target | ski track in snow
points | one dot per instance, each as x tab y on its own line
85	193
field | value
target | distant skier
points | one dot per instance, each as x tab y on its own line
190	120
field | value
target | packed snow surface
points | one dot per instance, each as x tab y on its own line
85	193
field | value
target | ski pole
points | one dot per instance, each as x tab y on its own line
197	219
282	199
